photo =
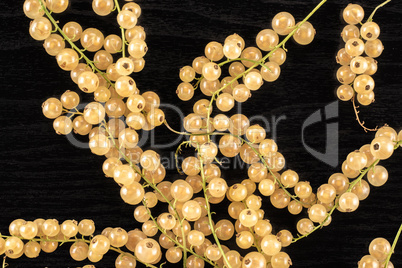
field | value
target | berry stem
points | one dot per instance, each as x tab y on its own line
318	226
397	144
242	59
123	33
393	246
81	52
375	10
176	156
364	172
361	123
175	131
4	262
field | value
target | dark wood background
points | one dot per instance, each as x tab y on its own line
43	175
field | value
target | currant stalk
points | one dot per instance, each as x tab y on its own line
123	32
375	10
393	246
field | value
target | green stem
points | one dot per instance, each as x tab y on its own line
4	262
318	226
89	62
393	246
184	245
242	59
397	144
176	155
358	180
208	208
375	10
123	34
196	85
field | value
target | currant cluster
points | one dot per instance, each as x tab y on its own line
117	98
45	235
237	86
357	69
186	231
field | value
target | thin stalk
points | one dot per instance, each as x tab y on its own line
358	180
123	34
361	123
242	59
89	62
375	10
184	245
4	262
393	246
318	226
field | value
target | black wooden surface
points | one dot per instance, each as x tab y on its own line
43	175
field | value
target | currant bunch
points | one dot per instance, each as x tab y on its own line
46	235
362	47
243	77
117	99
